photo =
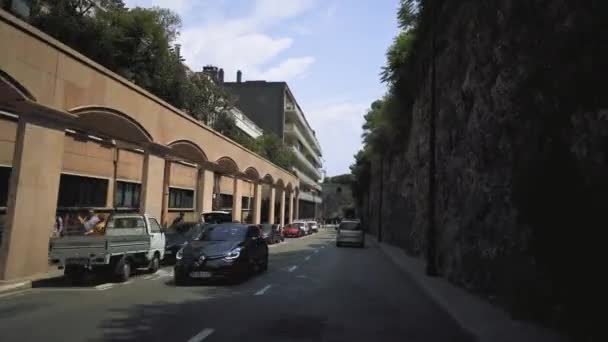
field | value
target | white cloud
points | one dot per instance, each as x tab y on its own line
288	69
179	6
338	128
244	43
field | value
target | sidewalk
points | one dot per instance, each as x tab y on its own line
17	285
483	320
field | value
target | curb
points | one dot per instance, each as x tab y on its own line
19	285
481	319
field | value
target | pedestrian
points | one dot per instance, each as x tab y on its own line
90	222
178	219
58	226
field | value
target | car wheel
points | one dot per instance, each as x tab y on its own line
123	270
154	265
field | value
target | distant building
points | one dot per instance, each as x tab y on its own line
338	201
273	107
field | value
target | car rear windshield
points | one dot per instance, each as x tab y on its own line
266	227
292	226
217	218
181	228
223	232
350	226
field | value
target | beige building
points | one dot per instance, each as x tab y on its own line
74	135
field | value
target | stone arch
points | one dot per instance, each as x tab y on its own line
289	187
227	165
252	174
280	183
11	90
111	123
188	150
268	179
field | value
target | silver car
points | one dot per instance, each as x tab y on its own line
350	233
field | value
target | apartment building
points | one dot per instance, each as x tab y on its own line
273	107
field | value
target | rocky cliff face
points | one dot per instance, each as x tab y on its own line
522	156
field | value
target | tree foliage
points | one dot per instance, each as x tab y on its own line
387	122
137	44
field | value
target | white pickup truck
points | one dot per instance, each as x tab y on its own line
130	241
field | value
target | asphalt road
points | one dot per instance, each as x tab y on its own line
313	291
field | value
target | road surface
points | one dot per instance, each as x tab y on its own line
313	291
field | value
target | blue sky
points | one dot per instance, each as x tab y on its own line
329	52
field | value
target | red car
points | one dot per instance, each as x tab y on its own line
292	230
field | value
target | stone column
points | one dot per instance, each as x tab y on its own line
32	200
236	200
271	200
165	200
152	186
257	203
291	200
297	206
204	191
282	212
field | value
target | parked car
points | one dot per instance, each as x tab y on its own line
293	230
314	226
350	233
228	250
271	233
178	235
129	241
218	216
304	226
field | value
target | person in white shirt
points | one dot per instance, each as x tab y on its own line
90	222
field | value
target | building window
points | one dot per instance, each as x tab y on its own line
181	198
5	176
127	195
78	191
245	202
225	201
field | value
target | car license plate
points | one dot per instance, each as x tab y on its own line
201	274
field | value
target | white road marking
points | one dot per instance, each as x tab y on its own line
148	277
292	268
316	251
201	335
104	287
263	290
307	258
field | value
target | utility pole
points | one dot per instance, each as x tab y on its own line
431	266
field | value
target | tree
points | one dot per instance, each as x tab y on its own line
271	147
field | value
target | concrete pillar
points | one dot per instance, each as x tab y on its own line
282	212
297	207
152	185
271	200
236	200
32	201
291	198
165	200
204	191
257	203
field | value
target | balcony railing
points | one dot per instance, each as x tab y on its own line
245	124
307	196
306	180
306	163
293	129
312	139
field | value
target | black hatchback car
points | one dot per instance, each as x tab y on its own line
228	250
178	235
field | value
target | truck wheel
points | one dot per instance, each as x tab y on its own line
123	270
154	265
